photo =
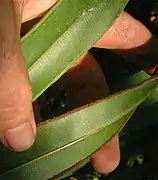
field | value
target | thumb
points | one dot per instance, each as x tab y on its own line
17	126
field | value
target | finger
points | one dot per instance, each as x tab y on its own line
85	83
108	157
34	8
133	41
17	126
126	33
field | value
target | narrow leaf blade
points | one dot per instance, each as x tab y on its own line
73	129
56	162
63	36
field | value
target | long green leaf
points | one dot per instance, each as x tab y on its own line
57	41
80	132
95	141
69	30
51	165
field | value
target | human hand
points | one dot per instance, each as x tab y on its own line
17	126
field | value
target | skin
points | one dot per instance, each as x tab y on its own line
82	86
17	125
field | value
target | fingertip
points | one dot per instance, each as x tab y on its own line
21	137
107	158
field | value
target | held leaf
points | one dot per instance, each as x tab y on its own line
65	33
76	132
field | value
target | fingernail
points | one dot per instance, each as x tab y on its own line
20	138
